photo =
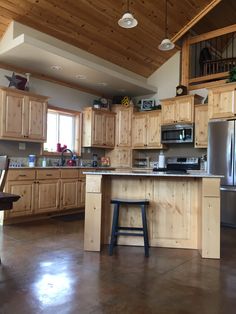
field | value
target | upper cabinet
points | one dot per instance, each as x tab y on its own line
179	109
146	130
221	101
23	116
201	126
98	128
123	125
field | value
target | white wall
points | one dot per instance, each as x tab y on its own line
60	96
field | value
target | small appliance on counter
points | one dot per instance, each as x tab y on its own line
141	162
178	165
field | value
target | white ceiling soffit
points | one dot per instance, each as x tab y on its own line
25	47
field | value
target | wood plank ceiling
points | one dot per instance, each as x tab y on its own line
92	26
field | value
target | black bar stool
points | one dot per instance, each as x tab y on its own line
118	230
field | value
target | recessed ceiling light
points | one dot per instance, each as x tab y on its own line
102	84
56	67
81	77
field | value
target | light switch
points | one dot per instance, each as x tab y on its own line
22	146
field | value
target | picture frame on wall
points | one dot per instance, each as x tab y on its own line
147	104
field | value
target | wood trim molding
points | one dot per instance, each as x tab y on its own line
199	16
212	34
64	110
206	85
49	79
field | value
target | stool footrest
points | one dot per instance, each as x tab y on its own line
130	228
129	234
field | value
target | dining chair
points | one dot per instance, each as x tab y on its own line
4	165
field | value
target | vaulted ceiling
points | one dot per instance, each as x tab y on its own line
91	25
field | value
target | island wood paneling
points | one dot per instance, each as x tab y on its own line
184	212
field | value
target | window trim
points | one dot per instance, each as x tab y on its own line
78	130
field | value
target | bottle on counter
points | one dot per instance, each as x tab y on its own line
32	159
44	162
161	160
95	160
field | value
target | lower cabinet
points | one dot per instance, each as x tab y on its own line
25	205
45	191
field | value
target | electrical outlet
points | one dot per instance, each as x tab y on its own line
22	146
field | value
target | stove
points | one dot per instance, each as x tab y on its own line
183	163
180	165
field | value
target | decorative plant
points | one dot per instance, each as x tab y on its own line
232	75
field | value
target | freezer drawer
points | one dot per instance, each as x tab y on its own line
228	207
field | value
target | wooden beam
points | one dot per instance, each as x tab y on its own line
209	77
199	16
50	79
213	34
206	85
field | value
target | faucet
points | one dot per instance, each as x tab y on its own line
63	160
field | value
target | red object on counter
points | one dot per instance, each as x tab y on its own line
71	162
59	147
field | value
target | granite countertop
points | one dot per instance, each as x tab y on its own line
64	167
150	173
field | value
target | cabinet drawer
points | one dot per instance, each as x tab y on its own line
69	173
48	174
23	174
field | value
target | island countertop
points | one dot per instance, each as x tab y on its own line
150	173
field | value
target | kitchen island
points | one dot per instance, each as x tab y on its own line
184	210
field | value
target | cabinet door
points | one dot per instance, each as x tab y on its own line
13	115
120	157
47	196
37	121
69	193
123	126
201	126
139	130
168	112
109	130
221	102
184	110
154	129
97	128
25	205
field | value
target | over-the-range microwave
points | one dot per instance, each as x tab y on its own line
178	133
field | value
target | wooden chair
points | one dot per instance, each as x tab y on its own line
4	165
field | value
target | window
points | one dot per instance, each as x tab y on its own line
63	128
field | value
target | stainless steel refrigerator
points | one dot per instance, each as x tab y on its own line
222	160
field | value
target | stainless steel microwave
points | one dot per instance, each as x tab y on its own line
179	133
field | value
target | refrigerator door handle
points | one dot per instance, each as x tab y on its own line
229	189
231	156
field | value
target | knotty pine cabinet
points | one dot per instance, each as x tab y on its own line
179	109
121	155
146	130
98	128
23	116
201	126
45	191
72	189
222	101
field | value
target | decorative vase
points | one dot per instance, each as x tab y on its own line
27	84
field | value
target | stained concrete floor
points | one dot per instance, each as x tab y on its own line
45	270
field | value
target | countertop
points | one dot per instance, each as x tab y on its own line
150	173
64	167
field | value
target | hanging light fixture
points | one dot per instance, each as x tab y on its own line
166	43
128	20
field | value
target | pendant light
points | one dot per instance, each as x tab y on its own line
128	20
166	43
